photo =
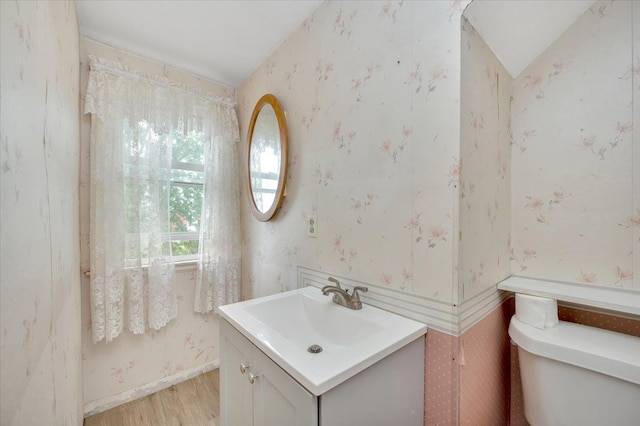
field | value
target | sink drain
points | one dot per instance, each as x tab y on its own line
314	349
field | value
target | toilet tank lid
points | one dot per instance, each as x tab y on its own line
607	352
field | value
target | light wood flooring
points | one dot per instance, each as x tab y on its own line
195	402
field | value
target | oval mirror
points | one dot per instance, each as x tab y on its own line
267	158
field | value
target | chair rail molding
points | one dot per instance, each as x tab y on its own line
448	317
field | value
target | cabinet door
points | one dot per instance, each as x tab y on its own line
278	399
236	399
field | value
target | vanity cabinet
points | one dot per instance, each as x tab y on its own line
389	392
256	391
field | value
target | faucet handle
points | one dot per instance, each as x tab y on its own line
335	281
355	296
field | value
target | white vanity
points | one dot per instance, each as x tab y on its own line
370	370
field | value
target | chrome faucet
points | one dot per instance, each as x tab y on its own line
342	297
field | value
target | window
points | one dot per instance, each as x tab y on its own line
186	193
148	150
184	178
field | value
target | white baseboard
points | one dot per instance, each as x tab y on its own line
103	404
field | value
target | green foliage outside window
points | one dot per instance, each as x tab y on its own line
185	199
186	181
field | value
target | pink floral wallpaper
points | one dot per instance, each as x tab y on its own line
189	344
431	170
371	91
40	365
372	96
485	218
575	211
485	178
404	146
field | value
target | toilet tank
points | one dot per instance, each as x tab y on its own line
578	375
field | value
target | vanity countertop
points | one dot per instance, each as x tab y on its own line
285	325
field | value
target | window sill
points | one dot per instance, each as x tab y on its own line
186	265
180	266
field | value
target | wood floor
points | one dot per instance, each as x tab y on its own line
195	402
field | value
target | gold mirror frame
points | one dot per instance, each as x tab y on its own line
269	213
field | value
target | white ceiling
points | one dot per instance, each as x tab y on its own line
226	40
223	40
519	31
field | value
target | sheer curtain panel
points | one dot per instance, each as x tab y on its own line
135	119
218	277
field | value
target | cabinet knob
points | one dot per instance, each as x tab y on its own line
244	367
253	377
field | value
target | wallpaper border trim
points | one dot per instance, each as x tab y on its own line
474	309
449	318
103	404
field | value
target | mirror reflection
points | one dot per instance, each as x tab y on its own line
267	157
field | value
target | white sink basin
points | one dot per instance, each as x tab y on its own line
284	325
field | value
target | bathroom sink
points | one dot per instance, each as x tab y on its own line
284	326
300	317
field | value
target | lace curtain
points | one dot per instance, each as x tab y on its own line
218	277
134	118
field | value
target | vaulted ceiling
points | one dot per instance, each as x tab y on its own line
223	40
518	31
226	40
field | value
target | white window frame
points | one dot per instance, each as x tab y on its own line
186	236
183	236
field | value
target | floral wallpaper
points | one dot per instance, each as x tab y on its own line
633	221
398	126
131	362
575	213
431	170
485	182
189	343
485	216
41	364
372	96
371	91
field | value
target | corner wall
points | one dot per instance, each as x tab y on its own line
575	211
371	91
485	224
574	190
335	78
485	370
41	364
131	366
485	172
